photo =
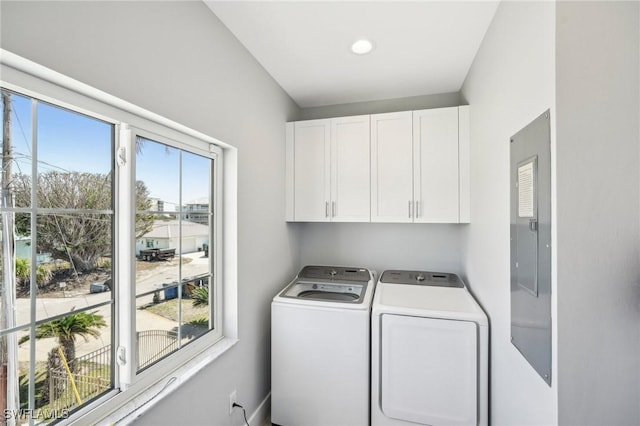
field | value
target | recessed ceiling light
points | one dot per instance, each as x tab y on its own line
362	47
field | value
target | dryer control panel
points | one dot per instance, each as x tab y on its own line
436	279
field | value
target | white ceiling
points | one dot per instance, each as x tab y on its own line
421	47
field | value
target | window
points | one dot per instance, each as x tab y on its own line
172	280
57	182
100	260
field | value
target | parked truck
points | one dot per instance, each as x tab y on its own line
157	254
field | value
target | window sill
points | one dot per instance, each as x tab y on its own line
128	405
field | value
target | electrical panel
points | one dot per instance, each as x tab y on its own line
530	158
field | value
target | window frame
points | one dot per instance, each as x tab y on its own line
134	390
125	145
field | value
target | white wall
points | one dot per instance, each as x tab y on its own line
511	82
178	60
598	125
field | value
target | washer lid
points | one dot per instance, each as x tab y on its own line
437	279
330	286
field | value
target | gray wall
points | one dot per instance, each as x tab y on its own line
388	105
382	246
597	70
511	82
178	60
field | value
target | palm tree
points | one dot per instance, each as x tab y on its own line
200	296
68	328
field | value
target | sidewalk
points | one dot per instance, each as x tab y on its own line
47	307
145	320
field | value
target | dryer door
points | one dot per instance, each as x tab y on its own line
428	370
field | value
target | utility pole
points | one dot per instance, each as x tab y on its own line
9	384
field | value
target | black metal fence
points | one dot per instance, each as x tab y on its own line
92	375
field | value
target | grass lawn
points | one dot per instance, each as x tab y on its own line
169	310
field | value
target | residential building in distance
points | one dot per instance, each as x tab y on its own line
197	210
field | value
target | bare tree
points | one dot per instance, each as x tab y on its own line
81	238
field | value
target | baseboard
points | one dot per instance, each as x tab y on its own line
262	413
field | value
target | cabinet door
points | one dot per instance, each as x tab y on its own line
350	165
436	176
311	171
391	167
464	164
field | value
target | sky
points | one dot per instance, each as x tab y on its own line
68	141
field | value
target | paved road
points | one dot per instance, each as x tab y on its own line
147	281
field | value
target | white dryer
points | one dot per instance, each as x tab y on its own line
429	352
320	348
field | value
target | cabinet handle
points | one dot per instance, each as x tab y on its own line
409	208
417	209
326	209
333	209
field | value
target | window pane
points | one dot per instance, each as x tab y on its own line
82	341
157	284
77	248
74	190
196	308
157	325
72	143
196	187
18	162
173	303
158	261
157	176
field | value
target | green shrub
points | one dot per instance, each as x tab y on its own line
23	273
200	296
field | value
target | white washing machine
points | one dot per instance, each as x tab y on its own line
320	348
429	352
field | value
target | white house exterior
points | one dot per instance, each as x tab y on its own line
166	234
23	249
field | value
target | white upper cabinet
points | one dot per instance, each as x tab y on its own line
328	170
311	169
435	165
410	166
464	165
350	187
392	167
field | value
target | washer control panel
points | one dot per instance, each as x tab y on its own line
437	279
337	288
336	273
